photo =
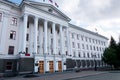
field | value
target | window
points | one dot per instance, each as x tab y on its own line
78	45
90	47
84	54
58	31
11	50
77	36
87	47
73	44
51	30
97	49
82	38
12	35
90	40
88	55
9	66
27	37
59	53
83	46
74	54
14	21
79	54
66	53
28	24
86	39
93	40
98	55
0	16
72	35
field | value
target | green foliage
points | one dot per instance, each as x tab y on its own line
111	54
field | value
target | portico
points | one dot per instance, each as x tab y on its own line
46	39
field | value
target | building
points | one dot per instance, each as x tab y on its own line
37	37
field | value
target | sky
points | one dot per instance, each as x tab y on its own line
101	16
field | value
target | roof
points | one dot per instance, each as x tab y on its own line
88	31
32	3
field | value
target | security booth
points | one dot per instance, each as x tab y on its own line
8	65
26	63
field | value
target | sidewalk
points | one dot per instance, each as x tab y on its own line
58	76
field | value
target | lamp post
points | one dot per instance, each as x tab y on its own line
95	66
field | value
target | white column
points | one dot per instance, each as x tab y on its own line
54	44
61	45
31	38
45	44
41	39
68	42
45	36
61	39
3	34
54	38
35	33
25	19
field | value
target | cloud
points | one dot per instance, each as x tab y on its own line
90	14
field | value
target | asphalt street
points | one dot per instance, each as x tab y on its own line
115	75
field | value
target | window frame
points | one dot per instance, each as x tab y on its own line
12	35
7	66
14	21
11	50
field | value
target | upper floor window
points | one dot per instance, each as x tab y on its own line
72	35
14	21
11	50
73	44
87	47
79	54
77	36
0	16
27	37
90	40
93	40
82	38
88	55
74	54
84	54
86	39
78	45
83	46
90	47
13	35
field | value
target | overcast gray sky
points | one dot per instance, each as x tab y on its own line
104	15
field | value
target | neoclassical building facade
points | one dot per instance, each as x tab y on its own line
37	37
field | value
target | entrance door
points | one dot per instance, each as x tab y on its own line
59	66
41	66
51	66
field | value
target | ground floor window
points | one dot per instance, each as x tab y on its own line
9	66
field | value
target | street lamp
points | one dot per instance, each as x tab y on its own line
95	66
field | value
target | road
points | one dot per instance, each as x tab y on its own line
105	76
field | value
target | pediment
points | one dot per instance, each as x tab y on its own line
49	8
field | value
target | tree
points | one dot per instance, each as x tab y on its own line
111	54
112	43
